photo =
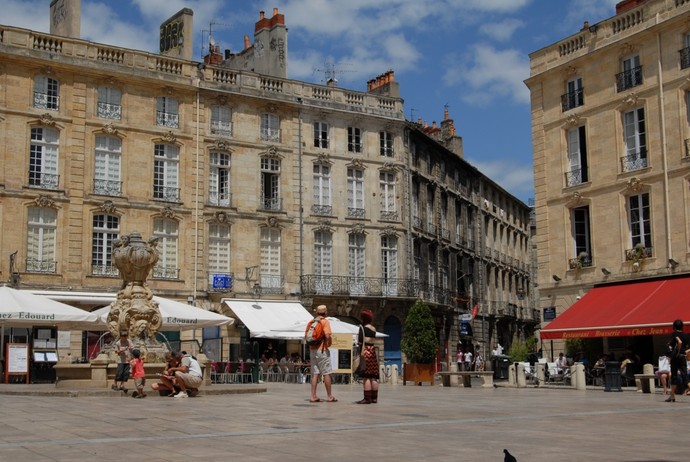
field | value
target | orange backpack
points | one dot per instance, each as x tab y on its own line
314	335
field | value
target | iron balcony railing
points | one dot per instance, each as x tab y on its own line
633	162
270	134
354	212
40	266
107	187
108	111
271	283
574	177
46	101
104	270
318	209
222	199
629	79
572	99
580	262
636	253
43	180
684	57
389	216
167	119
165	272
272	204
221	128
166	193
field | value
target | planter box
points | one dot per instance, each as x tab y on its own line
419	373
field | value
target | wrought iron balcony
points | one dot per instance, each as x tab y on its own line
574	177
346	285
269	134
166	193
572	99
634	162
445	233
638	253
580	262
220	199
46	101
108	111
165	272
104	270
687	147
40	266
318	209
43	180
221	128
354	212
628	79
271	204
167	119
684	57
107	187
271	283
430	228
416	222
389	216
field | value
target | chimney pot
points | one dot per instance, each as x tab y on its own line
261	15
247	43
275	11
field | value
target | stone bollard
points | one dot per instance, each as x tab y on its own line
382	373
521	379
647	369
453	378
578	377
394	374
512	375
541	375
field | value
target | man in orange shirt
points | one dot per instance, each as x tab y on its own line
321	356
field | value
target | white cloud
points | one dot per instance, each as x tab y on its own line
496	6
502	30
34	15
488	73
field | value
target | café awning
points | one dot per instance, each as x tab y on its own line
264	316
646	307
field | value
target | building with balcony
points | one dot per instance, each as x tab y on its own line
254	185
610	129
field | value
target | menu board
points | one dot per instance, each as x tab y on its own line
17	358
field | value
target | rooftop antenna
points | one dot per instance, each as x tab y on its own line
412	111
330	72
211	41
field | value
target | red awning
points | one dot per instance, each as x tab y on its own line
629	309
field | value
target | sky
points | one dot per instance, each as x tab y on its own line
471	56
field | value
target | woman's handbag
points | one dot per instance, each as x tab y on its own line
359	364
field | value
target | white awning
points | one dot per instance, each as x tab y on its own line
263	316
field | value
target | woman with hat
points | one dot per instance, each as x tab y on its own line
365	340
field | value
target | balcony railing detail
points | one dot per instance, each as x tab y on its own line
389	216
107	187
375	287
43	180
573	177
104	270
580	262
108	111
271	283
40	266
46	101
354	212
684	58
317	209
166	193
220	199
167	119
271	204
221	128
165	272
268	134
628	79
636	254
634	162
572	99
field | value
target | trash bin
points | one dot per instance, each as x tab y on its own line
612	376
500	365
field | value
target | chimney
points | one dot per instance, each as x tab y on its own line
625	5
585	26
228	54
261	15
247	43
65	18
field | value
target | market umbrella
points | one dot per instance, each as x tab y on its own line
19	308
296	331
179	316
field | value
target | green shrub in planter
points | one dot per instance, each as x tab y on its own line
419	342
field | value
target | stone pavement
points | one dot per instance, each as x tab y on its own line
409	423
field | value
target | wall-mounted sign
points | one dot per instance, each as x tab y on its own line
549	313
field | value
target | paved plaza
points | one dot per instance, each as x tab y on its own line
409	423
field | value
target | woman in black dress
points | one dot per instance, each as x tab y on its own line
679	368
366	338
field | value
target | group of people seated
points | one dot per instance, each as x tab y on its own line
181	377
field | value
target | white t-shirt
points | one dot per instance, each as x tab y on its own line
192	364
468	357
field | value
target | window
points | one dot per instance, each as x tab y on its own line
323	261
166	172
270	127
354	139
639	216
430	210
635	140
355	192
271	280
389	264
577	157
270	184
386	144
322	189
167	112
109	105
106	229
43	158
219	179
218	250
221	121
415	204
167	233
387	196
46	93
41	238
574	96
107	158
581	238
444	217
631	75
356	263
685	52
321	135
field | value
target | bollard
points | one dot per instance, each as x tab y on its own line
578	378
649	386
382	373
394	374
512	378
453	378
520	371
541	375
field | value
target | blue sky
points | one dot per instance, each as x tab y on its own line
471	55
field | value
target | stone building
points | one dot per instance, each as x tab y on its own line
255	186
610	127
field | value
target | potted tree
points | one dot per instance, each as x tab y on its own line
419	344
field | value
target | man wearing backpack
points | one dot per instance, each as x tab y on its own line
319	340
